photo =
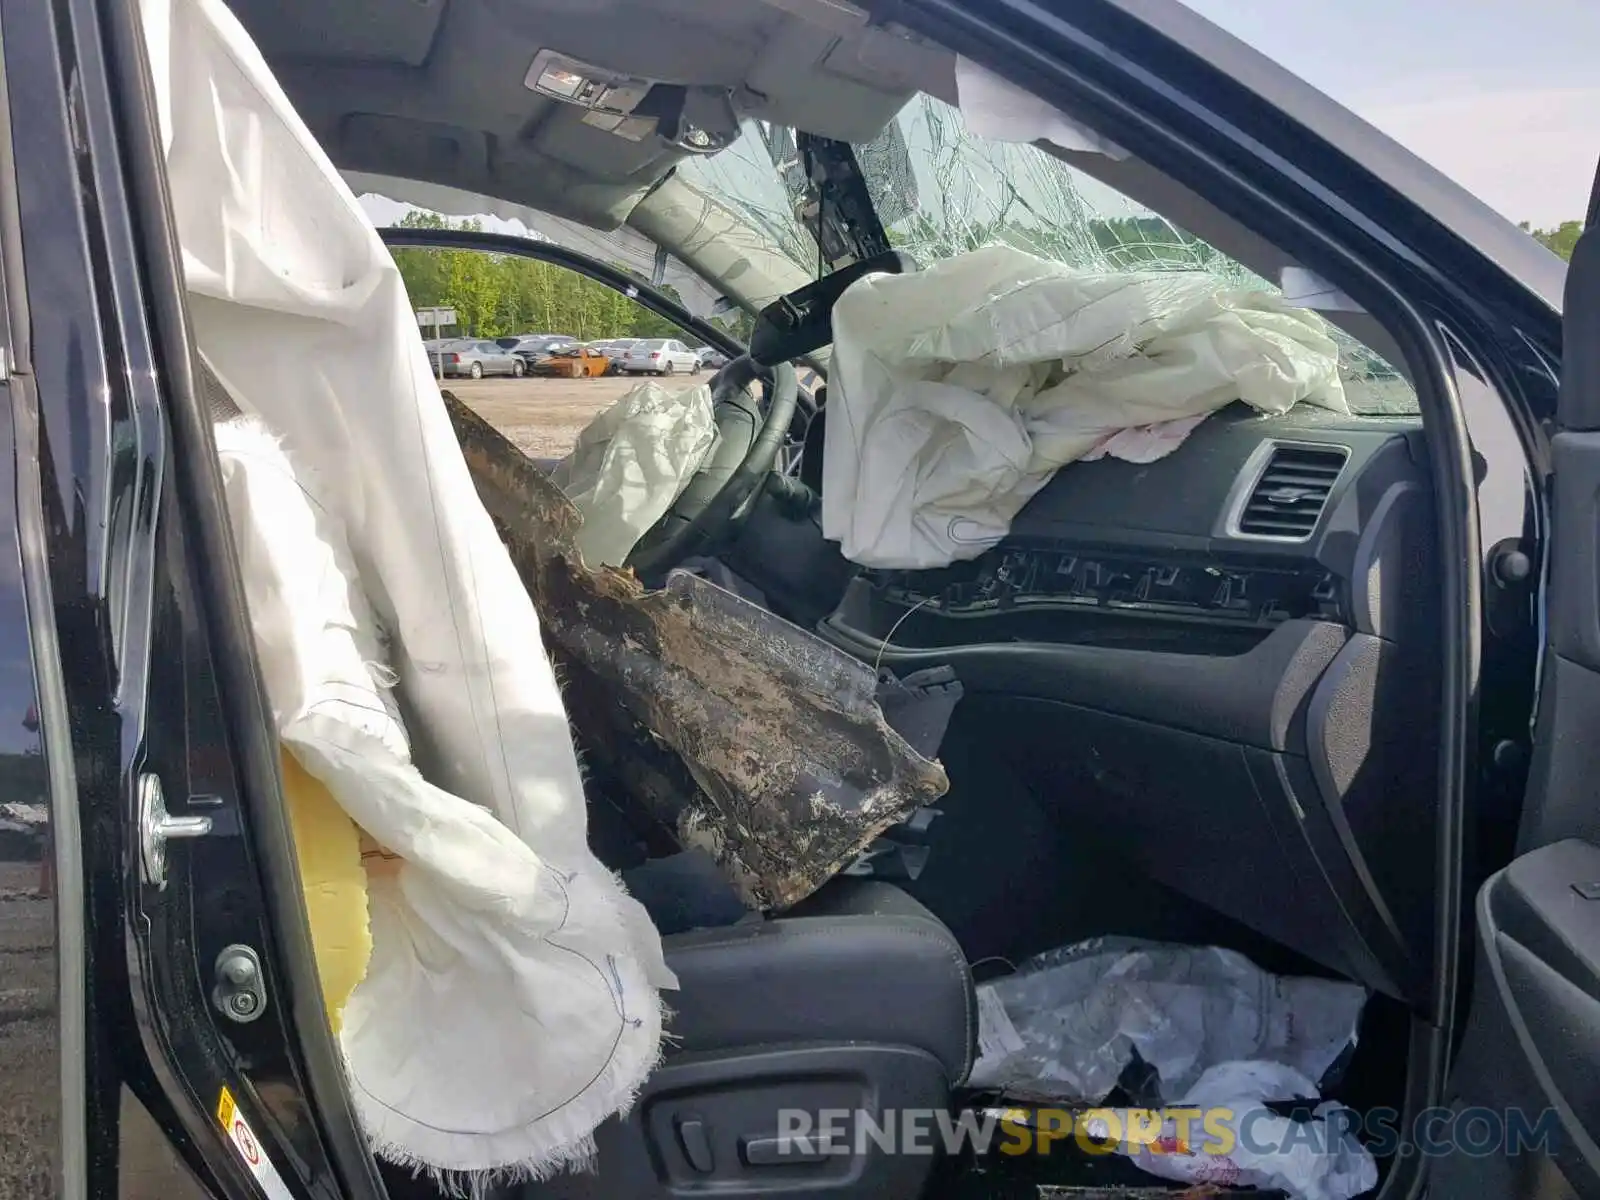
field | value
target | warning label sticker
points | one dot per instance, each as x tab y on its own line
249	1147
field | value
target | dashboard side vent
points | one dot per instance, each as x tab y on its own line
1291	492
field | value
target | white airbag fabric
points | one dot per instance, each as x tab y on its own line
510	1003
998	109
630	463
955	393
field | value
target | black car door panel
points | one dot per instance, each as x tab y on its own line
1531	1052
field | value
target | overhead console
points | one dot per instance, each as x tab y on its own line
1224	659
694	120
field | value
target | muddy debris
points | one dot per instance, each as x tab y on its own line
745	735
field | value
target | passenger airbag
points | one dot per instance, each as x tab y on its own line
957	392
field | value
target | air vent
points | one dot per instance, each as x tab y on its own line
1291	492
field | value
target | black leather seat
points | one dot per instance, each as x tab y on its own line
859	1000
859	960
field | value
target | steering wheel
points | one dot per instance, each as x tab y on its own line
744	451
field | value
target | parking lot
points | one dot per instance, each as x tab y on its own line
543	416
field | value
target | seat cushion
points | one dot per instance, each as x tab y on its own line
327	845
860	961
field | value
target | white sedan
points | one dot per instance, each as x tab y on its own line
659	356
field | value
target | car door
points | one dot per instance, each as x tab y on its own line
1529	1067
496	360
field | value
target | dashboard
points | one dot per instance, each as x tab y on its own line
1228	659
1252	522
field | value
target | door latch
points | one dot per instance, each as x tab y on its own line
240	993
157	826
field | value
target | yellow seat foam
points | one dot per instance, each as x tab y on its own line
328	846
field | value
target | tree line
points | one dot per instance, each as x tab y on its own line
1561	239
497	295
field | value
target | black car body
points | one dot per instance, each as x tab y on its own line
127	667
534	348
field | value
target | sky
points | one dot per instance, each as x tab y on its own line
1503	97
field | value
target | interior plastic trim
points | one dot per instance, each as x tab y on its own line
1255	699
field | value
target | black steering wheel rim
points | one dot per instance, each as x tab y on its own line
745	449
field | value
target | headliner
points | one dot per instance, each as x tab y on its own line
433	90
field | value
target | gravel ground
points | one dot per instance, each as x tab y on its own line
28	1081
544	416
29	1067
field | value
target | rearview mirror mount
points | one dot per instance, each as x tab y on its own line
801	322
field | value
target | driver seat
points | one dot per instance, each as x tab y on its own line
857	1000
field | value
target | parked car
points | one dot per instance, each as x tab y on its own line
615	349
572	362
711	358
659	356
510	340
470	359
533	348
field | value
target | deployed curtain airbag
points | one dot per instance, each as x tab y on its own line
510	1003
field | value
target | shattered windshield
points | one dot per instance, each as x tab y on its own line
941	190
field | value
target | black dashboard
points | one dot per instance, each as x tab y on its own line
1251	522
1228	658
